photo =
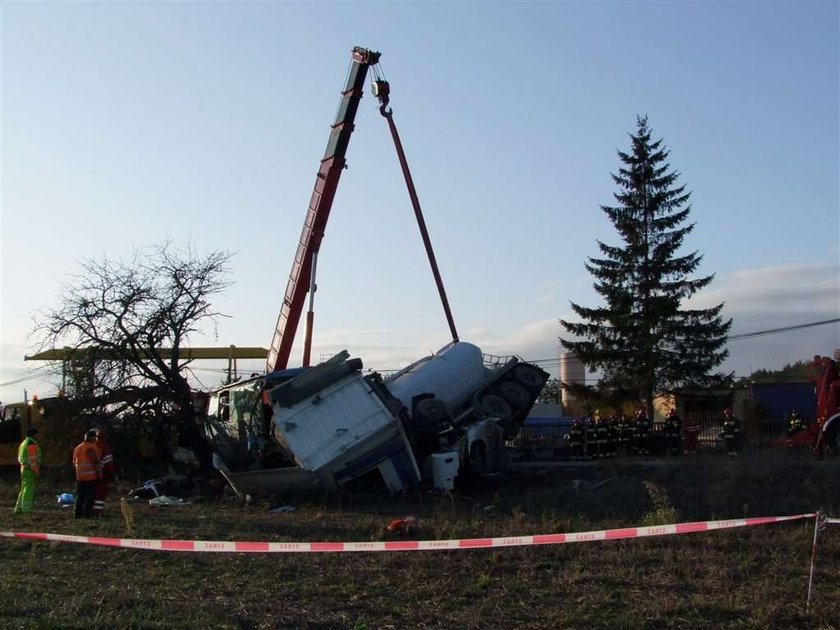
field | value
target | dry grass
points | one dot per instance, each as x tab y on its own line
746	578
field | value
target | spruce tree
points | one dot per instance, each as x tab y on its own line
640	340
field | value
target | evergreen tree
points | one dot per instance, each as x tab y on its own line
640	339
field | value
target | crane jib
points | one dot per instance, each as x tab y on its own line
326	183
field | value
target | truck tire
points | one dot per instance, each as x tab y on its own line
530	377
831	439
514	393
429	414
493	405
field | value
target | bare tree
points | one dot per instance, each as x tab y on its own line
129	320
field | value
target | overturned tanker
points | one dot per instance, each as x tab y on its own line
330	424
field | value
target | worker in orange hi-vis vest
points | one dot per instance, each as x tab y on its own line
30	459
88	471
106	457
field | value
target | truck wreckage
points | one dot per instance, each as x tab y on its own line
447	414
328	425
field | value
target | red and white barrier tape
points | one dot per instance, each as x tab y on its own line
219	546
833	521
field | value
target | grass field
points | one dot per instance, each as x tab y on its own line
744	578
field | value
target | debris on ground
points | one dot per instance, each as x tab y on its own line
405	525
282	509
164	486
165	500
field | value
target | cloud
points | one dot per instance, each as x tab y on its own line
17	375
778	290
532	340
756	300
775	297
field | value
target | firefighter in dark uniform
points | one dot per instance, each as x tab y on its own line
591	435
641	437
623	430
602	432
625	439
673	433
614	434
576	440
731	433
795	423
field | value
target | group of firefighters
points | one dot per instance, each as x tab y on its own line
598	437
93	463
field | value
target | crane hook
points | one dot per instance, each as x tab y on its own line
382	90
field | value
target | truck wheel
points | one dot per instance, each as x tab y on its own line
430	413
831	439
516	395
493	405
529	376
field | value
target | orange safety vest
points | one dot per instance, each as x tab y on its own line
86	461
29	456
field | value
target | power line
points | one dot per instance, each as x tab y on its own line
31	376
749	335
773	331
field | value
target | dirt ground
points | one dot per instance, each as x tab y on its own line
745	578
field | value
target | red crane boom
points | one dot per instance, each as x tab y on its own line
301	277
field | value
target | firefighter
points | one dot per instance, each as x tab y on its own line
692	436
106	457
614	433
591	438
731	433
626	426
673	433
576	440
641	437
88	468
30	459
602	435
629	426
795	423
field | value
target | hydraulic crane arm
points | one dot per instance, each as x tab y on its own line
301	277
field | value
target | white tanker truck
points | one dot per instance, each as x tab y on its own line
447	414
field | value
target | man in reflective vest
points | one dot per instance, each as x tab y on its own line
88	467
692	435
576	439
106	457
731	433
642	435
795	423
673	433
30	459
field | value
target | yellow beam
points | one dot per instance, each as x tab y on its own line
231	352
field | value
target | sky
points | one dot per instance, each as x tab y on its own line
128	124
